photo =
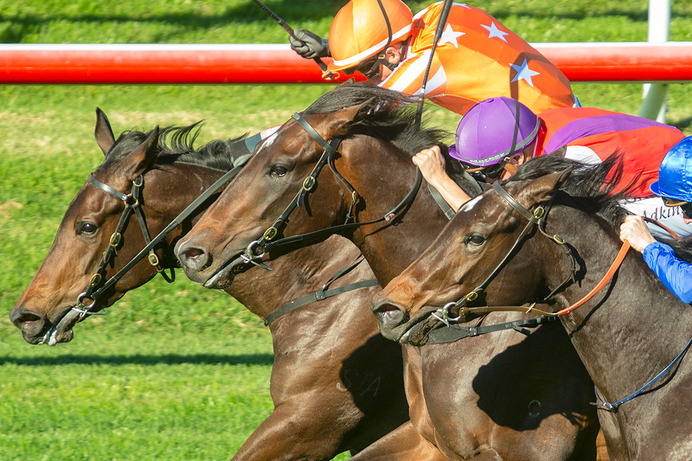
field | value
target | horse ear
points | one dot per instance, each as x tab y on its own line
103	132
140	160
338	120
543	188
348	82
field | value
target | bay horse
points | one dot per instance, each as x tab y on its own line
507	397
626	334
336	384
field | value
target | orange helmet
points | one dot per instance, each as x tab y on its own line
359	30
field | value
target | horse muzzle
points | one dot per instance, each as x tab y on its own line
396	324
38	329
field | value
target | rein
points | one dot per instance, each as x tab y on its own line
97	286
256	250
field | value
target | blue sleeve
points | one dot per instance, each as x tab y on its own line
675	274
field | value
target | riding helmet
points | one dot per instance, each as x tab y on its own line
486	134
675	173
359	30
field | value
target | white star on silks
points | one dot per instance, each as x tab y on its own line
493	31
449	36
524	73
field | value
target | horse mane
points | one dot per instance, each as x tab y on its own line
682	248
176	144
588	187
387	114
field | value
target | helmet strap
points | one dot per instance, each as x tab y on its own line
382	57
509	167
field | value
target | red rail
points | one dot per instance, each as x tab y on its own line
276	63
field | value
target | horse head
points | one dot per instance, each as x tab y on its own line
318	170
102	230
474	242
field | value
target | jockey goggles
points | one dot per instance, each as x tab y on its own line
369	68
686	207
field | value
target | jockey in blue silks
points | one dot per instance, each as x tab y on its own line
674	185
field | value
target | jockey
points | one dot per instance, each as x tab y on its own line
499	134
675	187
475	58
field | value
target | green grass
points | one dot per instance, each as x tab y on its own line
176	372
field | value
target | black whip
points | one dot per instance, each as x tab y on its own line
326	73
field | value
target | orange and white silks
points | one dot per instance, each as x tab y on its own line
476	58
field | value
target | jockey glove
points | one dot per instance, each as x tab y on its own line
309	45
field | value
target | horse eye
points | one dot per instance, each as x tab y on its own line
86	228
475	239
278	171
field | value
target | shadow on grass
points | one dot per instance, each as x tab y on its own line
166	359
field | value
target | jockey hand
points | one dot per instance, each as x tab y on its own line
308	44
635	231
431	164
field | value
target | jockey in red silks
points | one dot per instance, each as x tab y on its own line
485	139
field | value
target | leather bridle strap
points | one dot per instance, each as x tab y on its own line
95	291
266	243
133	204
533	220
453	333
323	293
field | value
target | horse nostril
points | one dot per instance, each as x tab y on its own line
194	258
27	320
193	253
388	313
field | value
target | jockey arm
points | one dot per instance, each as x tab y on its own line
432	167
675	274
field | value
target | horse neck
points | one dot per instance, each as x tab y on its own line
618	332
293	275
383	177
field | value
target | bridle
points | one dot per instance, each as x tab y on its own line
256	250
454	313
132	201
98	284
537	220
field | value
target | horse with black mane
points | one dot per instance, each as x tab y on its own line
632	335
336	383
344	166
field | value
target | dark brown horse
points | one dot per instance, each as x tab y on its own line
336	383
626	334
507	397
